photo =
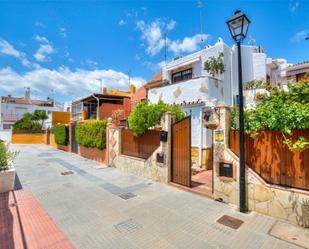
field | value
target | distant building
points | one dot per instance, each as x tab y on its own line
12	108
297	72
279	71
102	105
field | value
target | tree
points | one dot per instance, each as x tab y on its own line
31	121
40	115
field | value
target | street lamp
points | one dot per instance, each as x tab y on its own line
238	25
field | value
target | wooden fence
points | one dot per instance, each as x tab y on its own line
142	146
272	160
29	137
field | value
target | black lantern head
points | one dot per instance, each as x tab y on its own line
238	25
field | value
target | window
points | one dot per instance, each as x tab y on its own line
182	75
7	126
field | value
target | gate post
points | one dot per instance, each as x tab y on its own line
166	123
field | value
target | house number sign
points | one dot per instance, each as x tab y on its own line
219	136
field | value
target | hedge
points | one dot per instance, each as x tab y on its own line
61	134
91	134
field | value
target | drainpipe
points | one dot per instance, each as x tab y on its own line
98	100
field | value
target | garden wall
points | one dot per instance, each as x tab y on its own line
149	167
27	137
93	154
277	201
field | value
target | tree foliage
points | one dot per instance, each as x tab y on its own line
281	110
146	115
31	121
91	134
61	133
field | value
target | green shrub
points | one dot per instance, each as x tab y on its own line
146	115
61	133
91	134
6	156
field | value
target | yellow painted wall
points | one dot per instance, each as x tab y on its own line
52	142
61	118
206	157
29	138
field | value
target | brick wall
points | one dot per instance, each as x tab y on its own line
93	154
106	109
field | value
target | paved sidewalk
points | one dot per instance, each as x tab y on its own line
106	208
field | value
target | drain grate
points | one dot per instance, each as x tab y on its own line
230	221
128	226
127	196
64	173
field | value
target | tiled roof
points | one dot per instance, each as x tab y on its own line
16	100
156	81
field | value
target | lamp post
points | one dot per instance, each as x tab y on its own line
238	25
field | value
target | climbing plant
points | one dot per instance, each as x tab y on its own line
214	65
284	111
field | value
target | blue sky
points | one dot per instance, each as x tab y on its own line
65	46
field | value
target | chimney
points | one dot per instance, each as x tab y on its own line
132	89
27	93
104	90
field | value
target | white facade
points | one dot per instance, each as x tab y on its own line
203	91
11	112
276	70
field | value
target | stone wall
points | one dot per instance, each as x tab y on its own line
148	168
276	201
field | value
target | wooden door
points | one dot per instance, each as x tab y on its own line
181	152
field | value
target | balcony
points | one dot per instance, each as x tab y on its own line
201	89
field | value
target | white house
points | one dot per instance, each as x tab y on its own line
13	108
192	87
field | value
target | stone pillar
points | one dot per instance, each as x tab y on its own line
225	188
114	144
166	123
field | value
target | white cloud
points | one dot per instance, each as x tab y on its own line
171	25
72	84
91	63
188	44
7	49
43	52
152	35
293	6
41	39
300	36
63	32
122	22
39	24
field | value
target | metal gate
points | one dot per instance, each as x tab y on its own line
181	152
74	144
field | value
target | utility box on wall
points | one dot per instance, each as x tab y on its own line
226	169
163	136
160	158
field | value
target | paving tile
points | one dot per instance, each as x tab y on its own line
86	206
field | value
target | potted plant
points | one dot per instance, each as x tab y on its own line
7	171
215	66
116	117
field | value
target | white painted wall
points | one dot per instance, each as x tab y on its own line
17	110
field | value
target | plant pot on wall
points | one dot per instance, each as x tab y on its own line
7	180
